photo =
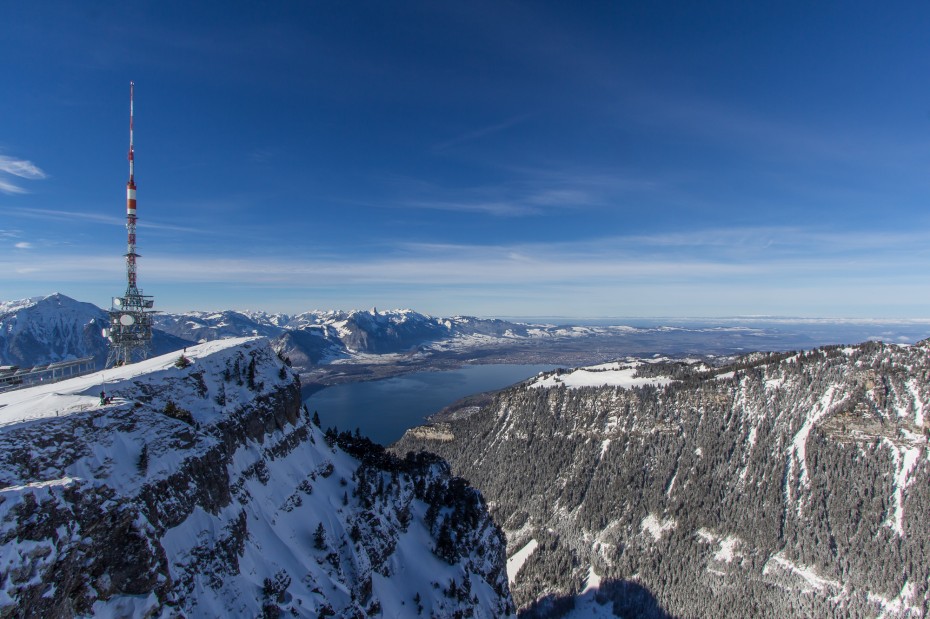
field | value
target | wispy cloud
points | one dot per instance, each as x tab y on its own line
497	208
20	168
528	192
481	132
23	245
60	215
261	155
755	244
8	187
560	197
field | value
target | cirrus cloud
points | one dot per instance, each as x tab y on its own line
20	168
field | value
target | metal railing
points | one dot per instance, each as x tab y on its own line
14	377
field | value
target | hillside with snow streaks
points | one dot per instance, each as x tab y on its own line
202	489
782	485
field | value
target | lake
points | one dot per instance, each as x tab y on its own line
384	409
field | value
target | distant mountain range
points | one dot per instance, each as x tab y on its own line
55	328
336	346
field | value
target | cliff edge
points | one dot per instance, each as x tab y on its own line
200	488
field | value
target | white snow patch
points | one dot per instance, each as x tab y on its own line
727	548
515	562
807	574
586	603
799	442
726	551
707	536
605	375
905	459
904	605
913	387
671	484
775	383
655	527
725	376
592	582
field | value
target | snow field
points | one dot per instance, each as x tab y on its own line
600	376
516	561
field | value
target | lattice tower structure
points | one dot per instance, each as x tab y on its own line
130	330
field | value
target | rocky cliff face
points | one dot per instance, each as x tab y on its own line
203	490
788	485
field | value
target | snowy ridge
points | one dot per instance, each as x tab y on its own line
201	489
11	307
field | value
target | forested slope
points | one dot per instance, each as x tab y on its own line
786	485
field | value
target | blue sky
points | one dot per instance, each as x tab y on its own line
489	158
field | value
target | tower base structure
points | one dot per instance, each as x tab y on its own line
130	330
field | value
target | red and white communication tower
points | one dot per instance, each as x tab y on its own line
130	330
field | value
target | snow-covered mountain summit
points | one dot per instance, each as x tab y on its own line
208	326
49	329
202	489
357	331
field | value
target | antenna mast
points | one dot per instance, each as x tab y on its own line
130	331
131	206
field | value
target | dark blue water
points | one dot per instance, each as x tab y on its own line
384	409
